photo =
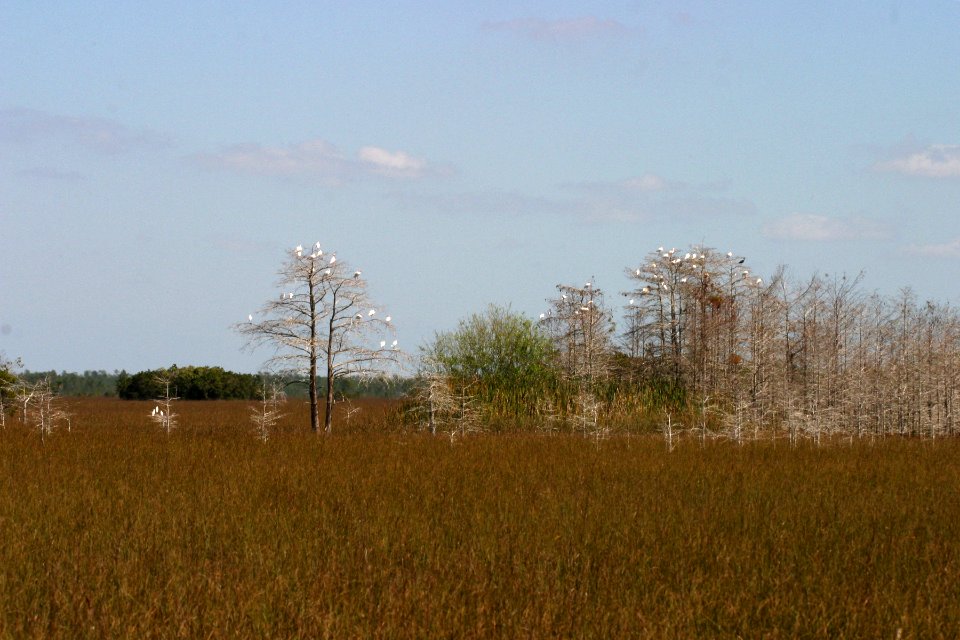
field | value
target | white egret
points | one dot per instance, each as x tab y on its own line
638	271
387	319
687	256
542	316
383	343
659	248
729	254
317	246
371	312
584	308
250	318
333	259
586	286
683	279
299	248
759	280
394	345
631	300
326	271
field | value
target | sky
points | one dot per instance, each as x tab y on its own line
158	161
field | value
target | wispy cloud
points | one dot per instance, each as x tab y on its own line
597	203
101	135
319	160
819	228
949	249
562	30
50	173
935	161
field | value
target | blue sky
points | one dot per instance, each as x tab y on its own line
157	160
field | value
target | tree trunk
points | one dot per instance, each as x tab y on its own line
314	400
328	418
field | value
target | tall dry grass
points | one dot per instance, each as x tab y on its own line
116	530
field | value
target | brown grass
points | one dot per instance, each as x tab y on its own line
115	530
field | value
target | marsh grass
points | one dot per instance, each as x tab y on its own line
116	530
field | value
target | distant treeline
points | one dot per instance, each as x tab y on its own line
88	383
202	383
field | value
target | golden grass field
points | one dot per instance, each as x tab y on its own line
116	530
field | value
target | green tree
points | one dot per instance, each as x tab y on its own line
501	357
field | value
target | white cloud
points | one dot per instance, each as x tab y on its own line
572	29
936	161
646	182
949	249
317	160
819	228
392	163
101	135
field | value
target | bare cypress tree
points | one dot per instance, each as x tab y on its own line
582	329
323	315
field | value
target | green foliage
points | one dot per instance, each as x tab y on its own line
500	357
88	383
189	383
214	383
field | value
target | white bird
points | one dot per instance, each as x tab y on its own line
659	248
645	290
326	271
673	251
542	316
333	259
371	312
250	318
759	280
359	316
564	296
161	413
687	256
154	412
729	254
586	286
299	249
684	279
584	308
665	255
653	264
387	319
394	345
638	271
631	300
383	343
317	246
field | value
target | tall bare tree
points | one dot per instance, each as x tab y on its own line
323	315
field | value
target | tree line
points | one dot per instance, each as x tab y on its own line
705	347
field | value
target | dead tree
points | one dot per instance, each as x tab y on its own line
323	315
582	329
